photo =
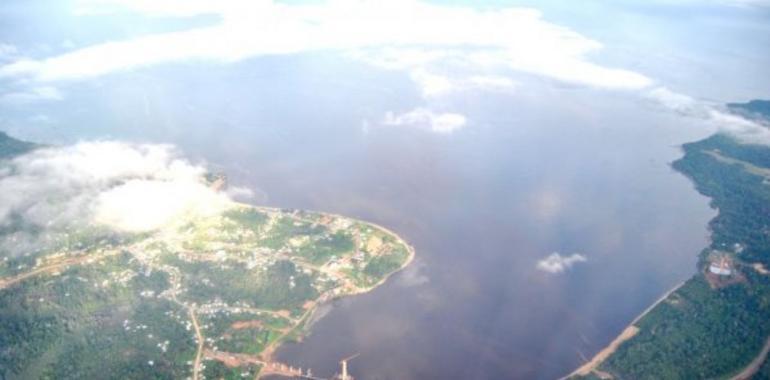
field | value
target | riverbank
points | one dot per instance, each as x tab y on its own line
708	331
629	332
305	321
410	249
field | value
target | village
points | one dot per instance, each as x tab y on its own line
243	282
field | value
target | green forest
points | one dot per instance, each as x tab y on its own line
714	330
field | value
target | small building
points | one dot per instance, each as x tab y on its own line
721	267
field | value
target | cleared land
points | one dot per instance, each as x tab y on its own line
203	298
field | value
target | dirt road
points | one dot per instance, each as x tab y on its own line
753	367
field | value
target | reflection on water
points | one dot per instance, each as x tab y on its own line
482	207
540	171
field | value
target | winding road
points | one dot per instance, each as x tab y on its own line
753	367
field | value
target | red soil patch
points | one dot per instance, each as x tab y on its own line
240	325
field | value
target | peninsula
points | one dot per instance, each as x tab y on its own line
204	297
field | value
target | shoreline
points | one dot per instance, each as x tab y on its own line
627	333
409	248
303	325
592	367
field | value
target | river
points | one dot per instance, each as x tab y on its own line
547	168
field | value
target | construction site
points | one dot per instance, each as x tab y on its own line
283	370
721	270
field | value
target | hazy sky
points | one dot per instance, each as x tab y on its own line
534	134
688	56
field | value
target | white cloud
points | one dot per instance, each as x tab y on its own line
745	130
713	115
31	95
404	33
425	118
556	263
239	193
432	84
112	186
672	100
145	205
443	49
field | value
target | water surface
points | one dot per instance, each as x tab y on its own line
547	168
